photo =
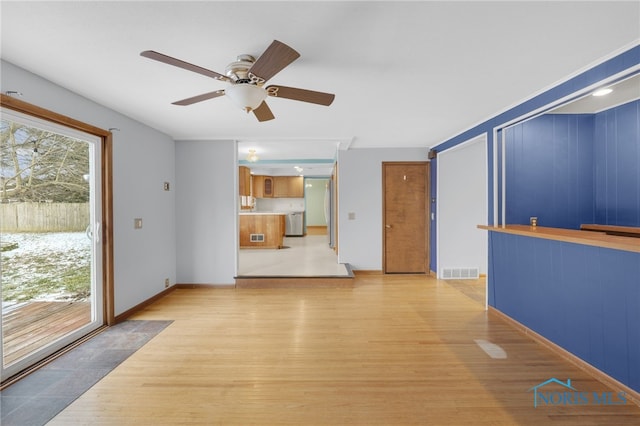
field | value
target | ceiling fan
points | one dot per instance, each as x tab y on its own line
247	76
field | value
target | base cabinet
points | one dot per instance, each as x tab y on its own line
262	230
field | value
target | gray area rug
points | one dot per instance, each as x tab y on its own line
39	397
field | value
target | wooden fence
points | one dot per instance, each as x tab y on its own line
44	217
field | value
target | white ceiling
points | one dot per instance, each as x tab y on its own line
405	74
624	91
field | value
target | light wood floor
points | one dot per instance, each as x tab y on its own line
392	350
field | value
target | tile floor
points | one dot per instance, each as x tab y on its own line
304	256
37	398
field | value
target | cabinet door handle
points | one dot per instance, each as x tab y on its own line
387	226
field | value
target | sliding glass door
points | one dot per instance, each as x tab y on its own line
50	235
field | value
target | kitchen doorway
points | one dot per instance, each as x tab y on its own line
405	217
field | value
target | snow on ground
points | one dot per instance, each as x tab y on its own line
36	269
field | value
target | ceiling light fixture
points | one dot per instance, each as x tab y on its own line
603	91
252	157
246	95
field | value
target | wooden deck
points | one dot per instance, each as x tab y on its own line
35	324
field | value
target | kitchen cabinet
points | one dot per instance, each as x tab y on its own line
288	187
262	230
262	186
278	186
244	181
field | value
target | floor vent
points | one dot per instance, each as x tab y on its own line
256	238
459	273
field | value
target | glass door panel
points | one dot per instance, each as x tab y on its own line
51	252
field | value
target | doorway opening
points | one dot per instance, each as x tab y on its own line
53	276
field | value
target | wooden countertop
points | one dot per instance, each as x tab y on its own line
628	231
590	238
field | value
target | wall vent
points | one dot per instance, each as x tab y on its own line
459	273
256	238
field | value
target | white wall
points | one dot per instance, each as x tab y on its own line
279	204
143	159
206	200
462	205
360	192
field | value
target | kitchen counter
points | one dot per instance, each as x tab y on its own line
262	230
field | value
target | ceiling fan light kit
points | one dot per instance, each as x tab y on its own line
246	95
247	75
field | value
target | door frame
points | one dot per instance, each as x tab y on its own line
106	170
427	212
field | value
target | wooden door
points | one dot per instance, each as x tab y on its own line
405	217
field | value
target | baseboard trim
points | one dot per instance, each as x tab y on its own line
193	285
597	374
140	306
367	272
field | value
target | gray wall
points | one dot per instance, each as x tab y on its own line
360	192
206	188
143	159
462	206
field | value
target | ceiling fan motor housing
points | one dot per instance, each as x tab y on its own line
239	69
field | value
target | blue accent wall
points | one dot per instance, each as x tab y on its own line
571	169
585	299
549	171
617	166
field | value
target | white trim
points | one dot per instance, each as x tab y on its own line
504	178
582	70
571	97
495	178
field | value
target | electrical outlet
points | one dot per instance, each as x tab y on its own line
166	283
137	223
166	186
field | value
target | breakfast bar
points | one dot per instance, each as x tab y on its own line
578	289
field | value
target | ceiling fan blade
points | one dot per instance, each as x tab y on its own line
199	98
277	56
302	95
263	112
182	64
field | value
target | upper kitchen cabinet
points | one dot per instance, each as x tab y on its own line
288	187
262	186
244	176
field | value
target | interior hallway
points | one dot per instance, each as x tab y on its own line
393	349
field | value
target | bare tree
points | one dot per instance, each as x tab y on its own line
38	165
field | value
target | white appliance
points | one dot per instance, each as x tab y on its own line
294	224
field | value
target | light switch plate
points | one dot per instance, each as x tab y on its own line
137	223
